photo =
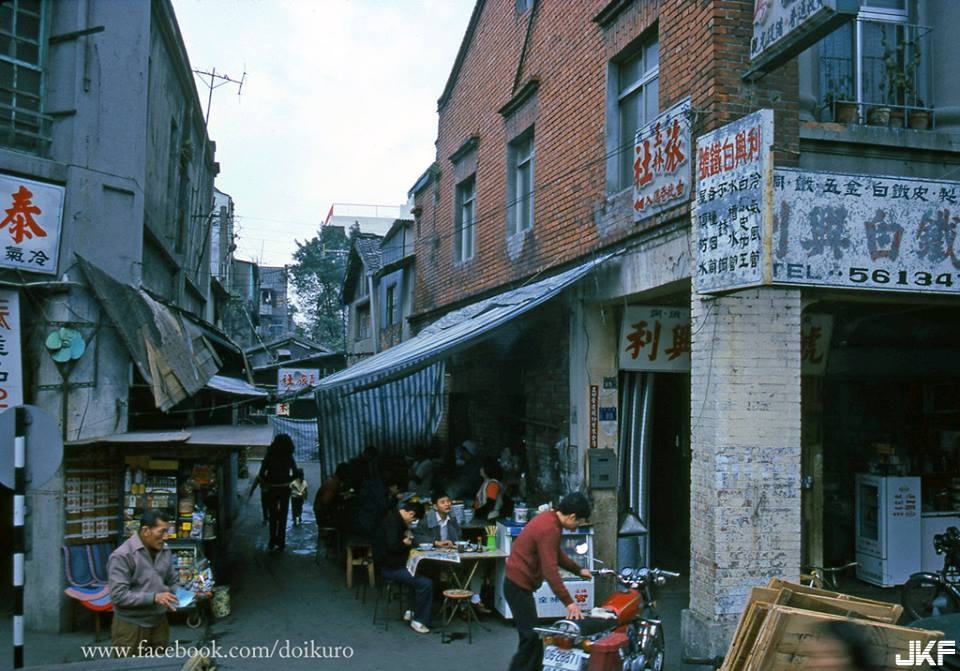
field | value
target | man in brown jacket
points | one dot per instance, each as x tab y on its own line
142	583
535	556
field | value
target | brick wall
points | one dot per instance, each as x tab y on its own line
703	50
745	440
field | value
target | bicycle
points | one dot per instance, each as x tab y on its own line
825	577
927	594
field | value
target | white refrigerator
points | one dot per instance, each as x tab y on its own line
887	528
548	605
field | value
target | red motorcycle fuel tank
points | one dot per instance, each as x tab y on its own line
605	653
626	605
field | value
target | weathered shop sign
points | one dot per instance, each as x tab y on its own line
295	379
30	219
866	232
655	338
732	210
11	373
661	162
784	28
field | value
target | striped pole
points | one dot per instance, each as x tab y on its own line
19	490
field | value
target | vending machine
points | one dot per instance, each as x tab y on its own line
887	528
548	605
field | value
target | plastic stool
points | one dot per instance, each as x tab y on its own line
456	601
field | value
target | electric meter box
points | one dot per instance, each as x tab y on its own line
603	468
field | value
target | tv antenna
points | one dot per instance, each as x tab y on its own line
215	81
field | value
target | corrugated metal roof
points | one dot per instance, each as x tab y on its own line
233	385
225	436
171	354
452	332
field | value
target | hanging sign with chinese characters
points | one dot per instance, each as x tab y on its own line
816	330
784	28
866	232
11	373
732	211
30	219
655	338
295	379
661	163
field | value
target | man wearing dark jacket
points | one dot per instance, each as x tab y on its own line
535	556
391	549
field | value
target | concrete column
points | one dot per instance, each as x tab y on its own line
592	357
745	470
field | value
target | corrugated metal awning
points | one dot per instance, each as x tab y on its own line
234	385
217	436
394	399
455	331
172	355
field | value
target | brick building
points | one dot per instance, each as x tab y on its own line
536	173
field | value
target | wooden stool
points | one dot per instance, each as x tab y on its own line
359	554
456	601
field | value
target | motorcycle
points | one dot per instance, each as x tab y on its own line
623	634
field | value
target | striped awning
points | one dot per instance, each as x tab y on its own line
393	400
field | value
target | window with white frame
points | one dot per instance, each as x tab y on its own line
22	124
634	93
466	216
882	59
520	166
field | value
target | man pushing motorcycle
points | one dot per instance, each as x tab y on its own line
534	557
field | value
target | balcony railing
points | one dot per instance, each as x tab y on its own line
877	66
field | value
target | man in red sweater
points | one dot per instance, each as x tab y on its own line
535	556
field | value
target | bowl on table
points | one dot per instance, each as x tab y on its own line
426	546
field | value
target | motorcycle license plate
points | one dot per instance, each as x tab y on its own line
568	660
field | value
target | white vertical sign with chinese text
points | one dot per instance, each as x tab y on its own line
661	162
733	208
866	232
11	372
31	215
295	379
655	338
816	330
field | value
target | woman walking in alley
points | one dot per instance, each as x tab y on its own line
277	471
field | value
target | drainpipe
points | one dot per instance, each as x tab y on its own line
374	305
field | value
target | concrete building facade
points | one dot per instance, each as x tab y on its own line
100	102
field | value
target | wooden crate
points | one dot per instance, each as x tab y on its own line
781	628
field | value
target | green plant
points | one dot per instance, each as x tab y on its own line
901	63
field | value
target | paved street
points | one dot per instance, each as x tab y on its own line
288	601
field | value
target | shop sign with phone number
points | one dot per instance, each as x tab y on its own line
865	232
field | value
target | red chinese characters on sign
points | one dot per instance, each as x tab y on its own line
291	379
661	161
723	155
655	338
20	222
11	373
643	334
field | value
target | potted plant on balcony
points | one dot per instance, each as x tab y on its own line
901	63
838	99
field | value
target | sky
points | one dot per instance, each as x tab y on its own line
338	105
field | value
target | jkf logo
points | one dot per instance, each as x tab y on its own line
918	654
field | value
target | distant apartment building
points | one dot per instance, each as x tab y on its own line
274	305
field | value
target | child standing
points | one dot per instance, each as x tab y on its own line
298	492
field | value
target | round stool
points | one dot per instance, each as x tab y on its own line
456	601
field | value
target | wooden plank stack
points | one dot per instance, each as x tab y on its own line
781	628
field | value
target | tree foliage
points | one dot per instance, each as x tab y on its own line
317	274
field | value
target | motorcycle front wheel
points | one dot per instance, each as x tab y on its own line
652	656
927	596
